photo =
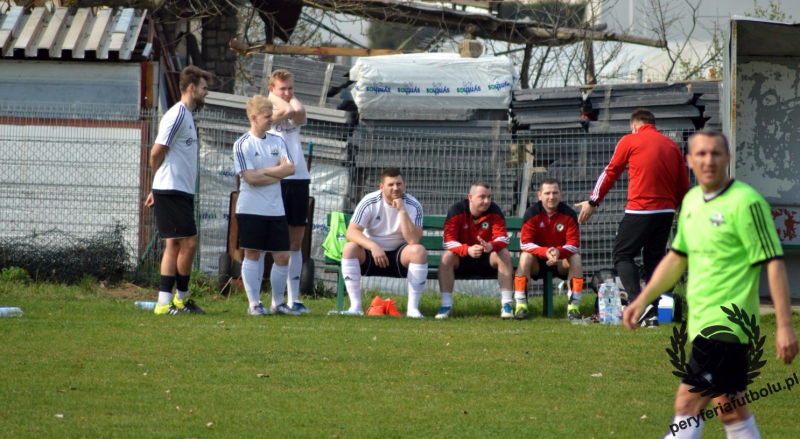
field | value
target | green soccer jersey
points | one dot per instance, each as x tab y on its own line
726	239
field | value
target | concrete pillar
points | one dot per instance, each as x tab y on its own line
218	59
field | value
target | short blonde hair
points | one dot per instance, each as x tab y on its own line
256	104
279	75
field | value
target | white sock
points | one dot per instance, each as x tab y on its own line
417	276
694	427
252	281
520	297
447	299
183	295
506	297
746	429
351	270
278	279
164	298
261	268
295	267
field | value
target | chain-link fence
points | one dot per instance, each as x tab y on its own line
74	183
71	189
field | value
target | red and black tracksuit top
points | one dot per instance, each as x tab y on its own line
541	231
657	174
461	229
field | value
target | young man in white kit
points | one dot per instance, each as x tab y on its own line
174	161
383	240
262	160
287	118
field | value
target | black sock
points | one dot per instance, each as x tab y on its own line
183	282
167	282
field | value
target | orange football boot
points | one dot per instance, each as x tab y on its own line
389	307
377	308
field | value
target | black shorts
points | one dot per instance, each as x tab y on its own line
395	268
263	233
475	268
175	214
726	363
295	201
544	268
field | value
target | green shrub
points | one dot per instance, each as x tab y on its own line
88	283
16	275
202	284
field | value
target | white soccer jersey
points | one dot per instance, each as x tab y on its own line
381	221
178	171
290	133
251	152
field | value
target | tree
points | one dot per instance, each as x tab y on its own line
771	12
686	60
584	62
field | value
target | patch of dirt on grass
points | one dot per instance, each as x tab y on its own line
127	291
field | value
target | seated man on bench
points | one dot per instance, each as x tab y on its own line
383	240
475	240
549	241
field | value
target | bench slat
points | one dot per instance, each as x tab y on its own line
513	223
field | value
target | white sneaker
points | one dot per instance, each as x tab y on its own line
445	312
258	310
284	310
507	312
414	314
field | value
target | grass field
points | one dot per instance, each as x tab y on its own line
82	362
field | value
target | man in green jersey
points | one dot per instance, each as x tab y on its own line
725	234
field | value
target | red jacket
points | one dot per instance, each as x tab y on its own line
656	170
461	229
559	230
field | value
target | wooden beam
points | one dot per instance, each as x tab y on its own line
484	25
242	47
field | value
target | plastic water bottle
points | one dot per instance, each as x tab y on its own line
609	303
144	305
10	312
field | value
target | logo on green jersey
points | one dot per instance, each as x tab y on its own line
721	333
717	220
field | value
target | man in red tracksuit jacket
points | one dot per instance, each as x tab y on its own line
658	183
475	241
550	241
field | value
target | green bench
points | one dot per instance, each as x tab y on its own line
435	243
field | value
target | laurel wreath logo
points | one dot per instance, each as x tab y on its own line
755	350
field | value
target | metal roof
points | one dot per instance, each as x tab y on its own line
58	33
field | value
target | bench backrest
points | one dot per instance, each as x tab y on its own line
513	226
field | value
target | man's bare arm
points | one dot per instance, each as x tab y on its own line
411	232
267	176
285	169
355	233
157	154
785	337
299	111
282	110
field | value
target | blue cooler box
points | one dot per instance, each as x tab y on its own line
665	308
